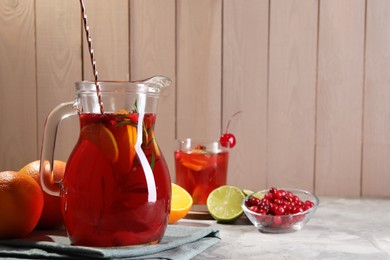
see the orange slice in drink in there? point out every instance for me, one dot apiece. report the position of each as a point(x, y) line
point(181, 203)
point(156, 148)
point(122, 112)
point(201, 192)
point(193, 166)
point(102, 137)
point(196, 161)
point(132, 133)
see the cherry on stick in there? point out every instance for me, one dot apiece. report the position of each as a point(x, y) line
point(227, 139)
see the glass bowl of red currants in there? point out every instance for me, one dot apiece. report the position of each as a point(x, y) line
point(280, 210)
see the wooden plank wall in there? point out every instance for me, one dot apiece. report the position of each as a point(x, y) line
point(310, 77)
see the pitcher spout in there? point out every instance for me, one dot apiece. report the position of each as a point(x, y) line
point(156, 82)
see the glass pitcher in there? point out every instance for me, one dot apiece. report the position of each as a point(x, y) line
point(116, 188)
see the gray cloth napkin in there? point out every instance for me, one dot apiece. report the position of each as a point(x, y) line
point(179, 242)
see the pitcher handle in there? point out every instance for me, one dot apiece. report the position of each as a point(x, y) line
point(62, 111)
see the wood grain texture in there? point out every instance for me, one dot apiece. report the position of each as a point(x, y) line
point(109, 25)
point(292, 93)
point(340, 100)
point(245, 50)
point(18, 131)
point(376, 153)
point(198, 68)
point(59, 66)
point(152, 52)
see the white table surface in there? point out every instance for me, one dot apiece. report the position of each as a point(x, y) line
point(339, 229)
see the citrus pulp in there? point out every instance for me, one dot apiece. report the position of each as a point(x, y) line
point(224, 203)
point(181, 203)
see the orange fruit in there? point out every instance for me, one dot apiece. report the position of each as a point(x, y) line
point(181, 203)
point(51, 217)
point(21, 203)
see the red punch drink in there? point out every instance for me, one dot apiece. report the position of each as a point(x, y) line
point(116, 190)
point(109, 192)
point(200, 168)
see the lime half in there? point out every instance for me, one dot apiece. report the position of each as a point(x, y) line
point(224, 203)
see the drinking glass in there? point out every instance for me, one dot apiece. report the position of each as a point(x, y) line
point(201, 167)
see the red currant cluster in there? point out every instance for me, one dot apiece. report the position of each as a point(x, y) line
point(278, 202)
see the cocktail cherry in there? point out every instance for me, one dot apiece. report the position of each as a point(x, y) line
point(227, 139)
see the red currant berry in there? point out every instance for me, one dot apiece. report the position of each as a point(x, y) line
point(265, 202)
point(134, 117)
point(263, 211)
point(297, 210)
point(295, 199)
point(254, 208)
point(273, 208)
point(254, 201)
point(278, 201)
point(269, 196)
point(272, 190)
point(308, 204)
point(279, 211)
point(289, 209)
point(279, 194)
point(288, 196)
point(277, 221)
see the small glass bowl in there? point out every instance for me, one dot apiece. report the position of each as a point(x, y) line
point(283, 223)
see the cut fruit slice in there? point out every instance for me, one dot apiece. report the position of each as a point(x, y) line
point(258, 195)
point(224, 203)
point(193, 166)
point(247, 192)
point(132, 132)
point(201, 193)
point(102, 137)
point(155, 146)
point(196, 162)
point(181, 203)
